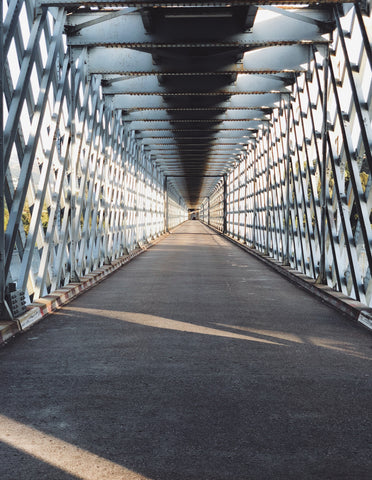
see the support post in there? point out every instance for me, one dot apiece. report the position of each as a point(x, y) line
point(245, 197)
point(254, 194)
point(224, 227)
point(267, 188)
point(5, 313)
point(166, 213)
point(106, 157)
point(125, 194)
point(322, 278)
point(209, 211)
point(287, 182)
point(137, 212)
point(235, 223)
point(74, 278)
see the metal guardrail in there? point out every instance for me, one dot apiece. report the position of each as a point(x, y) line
point(302, 191)
point(79, 191)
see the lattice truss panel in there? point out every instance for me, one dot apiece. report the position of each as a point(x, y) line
point(79, 191)
point(302, 191)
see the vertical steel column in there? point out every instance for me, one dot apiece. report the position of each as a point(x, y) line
point(287, 182)
point(224, 224)
point(209, 211)
point(4, 310)
point(125, 164)
point(2, 170)
point(267, 188)
point(235, 227)
point(107, 190)
point(322, 278)
point(136, 157)
point(245, 196)
point(73, 158)
point(146, 200)
point(254, 194)
point(166, 213)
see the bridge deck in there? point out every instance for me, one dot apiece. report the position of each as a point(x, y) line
point(193, 362)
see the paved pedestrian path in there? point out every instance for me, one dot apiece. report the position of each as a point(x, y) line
point(193, 362)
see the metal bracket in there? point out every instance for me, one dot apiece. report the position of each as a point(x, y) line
point(365, 6)
point(74, 277)
point(74, 29)
point(5, 312)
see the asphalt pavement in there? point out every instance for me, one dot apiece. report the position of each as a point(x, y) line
point(193, 362)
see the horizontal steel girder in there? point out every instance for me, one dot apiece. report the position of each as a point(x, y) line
point(126, 102)
point(168, 3)
point(230, 125)
point(185, 155)
point(244, 84)
point(171, 149)
point(164, 115)
point(126, 61)
point(190, 142)
point(177, 164)
point(237, 134)
point(128, 30)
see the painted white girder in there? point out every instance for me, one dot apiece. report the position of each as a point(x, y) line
point(167, 115)
point(169, 3)
point(127, 102)
point(128, 30)
point(126, 61)
point(245, 84)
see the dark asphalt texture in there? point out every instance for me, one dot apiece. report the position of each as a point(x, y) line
point(193, 362)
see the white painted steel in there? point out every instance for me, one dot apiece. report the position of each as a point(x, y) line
point(79, 189)
point(296, 148)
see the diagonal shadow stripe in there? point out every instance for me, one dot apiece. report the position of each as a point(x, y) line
point(168, 324)
point(58, 453)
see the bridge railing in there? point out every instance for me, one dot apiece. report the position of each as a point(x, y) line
point(302, 191)
point(79, 189)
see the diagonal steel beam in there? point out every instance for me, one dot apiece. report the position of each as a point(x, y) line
point(20, 91)
point(74, 29)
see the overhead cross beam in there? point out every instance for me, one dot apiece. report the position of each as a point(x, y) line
point(253, 101)
point(129, 31)
point(244, 84)
point(126, 61)
point(197, 76)
point(174, 3)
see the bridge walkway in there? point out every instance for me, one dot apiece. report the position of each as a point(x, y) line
point(193, 362)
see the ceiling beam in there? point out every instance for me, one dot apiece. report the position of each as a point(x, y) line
point(125, 102)
point(227, 115)
point(126, 61)
point(129, 31)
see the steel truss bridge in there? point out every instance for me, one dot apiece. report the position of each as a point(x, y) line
point(119, 116)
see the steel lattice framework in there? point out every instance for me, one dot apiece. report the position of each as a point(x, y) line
point(119, 116)
point(301, 193)
point(79, 190)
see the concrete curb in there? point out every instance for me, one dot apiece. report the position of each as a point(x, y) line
point(50, 303)
point(355, 310)
point(8, 330)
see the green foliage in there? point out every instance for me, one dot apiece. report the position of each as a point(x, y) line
point(26, 217)
point(6, 217)
point(364, 180)
point(45, 218)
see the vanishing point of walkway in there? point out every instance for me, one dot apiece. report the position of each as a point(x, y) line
point(193, 362)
